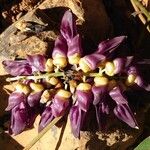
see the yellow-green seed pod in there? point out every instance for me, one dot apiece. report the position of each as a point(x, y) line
point(60, 62)
point(110, 68)
point(74, 59)
point(37, 87)
point(84, 87)
point(46, 96)
point(53, 81)
point(23, 88)
point(84, 66)
point(49, 65)
point(101, 81)
point(63, 93)
point(130, 79)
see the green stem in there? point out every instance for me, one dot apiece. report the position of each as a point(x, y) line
point(36, 77)
point(93, 74)
point(142, 8)
point(40, 135)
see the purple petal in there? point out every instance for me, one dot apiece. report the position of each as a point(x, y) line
point(32, 114)
point(60, 47)
point(110, 44)
point(139, 81)
point(15, 99)
point(46, 118)
point(117, 95)
point(34, 99)
point(18, 119)
point(94, 59)
point(102, 109)
point(119, 65)
point(74, 47)
point(37, 62)
point(84, 98)
point(132, 70)
point(17, 68)
point(75, 120)
point(68, 26)
point(59, 106)
point(99, 93)
point(124, 113)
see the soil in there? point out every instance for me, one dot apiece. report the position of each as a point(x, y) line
point(116, 19)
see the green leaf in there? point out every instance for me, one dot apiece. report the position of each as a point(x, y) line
point(144, 145)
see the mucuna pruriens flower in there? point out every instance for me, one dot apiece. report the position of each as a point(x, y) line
point(74, 50)
point(71, 83)
point(68, 27)
point(110, 45)
point(122, 109)
point(19, 116)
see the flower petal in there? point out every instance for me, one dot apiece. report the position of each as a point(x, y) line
point(59, 106)
point(117, 95)
point(119, 65)
point(37, 62)
point(46, 118)
point(74, 47)
point(110, 44)
point(68, 26)
point(75, 120)
point(60, 47)
point(18, 119)
point(84, 98)
point(15, 99)
point(94, 59)
point(34, 99)
point(99, 93)
point(102, 109)
point(124, 113)
point(17, 68)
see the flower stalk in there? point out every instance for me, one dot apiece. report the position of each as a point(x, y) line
point(36, 77)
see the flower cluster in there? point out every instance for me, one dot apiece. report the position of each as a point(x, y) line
point(71, 82)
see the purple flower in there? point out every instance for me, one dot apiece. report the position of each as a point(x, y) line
point(25, 67)
point(17, 68)
point(91, 62)
point(99, 93)
point(122, 110)
point(74, 50)
point(68, 26)
point(59, 106)
point(77, 117)
point(15, 99)
point(102, 109)
point(60, 48)
point(37, 62)
point(46, 118)
point(124, 113)
point(109, 45)
point(18, 118)
point(119, 64)
point(134, 77)
point(34, 98)
point(84, 96)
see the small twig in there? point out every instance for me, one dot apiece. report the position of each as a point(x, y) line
point(140, 8)
point(42, 76)
point(40, 135)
